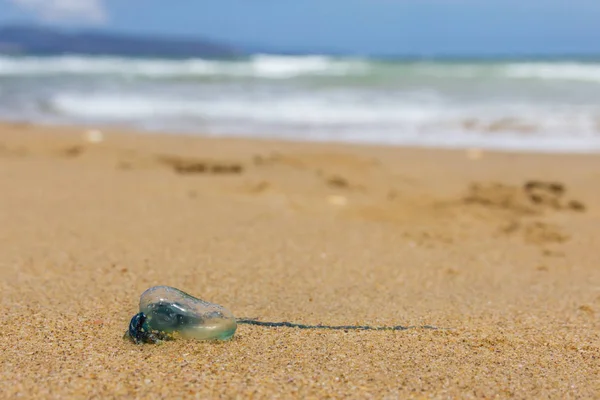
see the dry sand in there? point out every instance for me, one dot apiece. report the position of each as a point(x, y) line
point(501, 248)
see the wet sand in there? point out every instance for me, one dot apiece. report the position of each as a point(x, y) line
point(500, 248)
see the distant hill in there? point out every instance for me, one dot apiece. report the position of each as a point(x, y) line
point(33, 40)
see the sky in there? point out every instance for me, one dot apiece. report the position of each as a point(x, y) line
point(387, 27)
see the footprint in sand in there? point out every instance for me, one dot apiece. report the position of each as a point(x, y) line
point(533, 198)
point(188, 166)
point(551, 194)
point(72, 151)
point(338, 182)
point(543, 233)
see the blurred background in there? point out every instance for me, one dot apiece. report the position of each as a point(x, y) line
point(520, 75)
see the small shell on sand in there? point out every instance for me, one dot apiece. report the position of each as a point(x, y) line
point(337, 200)
point(93, 136)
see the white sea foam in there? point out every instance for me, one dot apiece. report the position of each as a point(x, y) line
point(260, 66)
point(286, 67)
point(554, 71)
point(304, 109)
point(320, 118)
point(516, 105)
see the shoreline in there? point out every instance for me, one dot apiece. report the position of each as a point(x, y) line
point(126, 130)
point(500, 247)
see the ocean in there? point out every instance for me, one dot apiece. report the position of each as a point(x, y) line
point(516, 105)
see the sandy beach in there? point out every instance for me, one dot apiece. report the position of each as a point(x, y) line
point(500, 248)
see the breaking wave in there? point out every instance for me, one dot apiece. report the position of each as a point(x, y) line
point(289, 67)
point(262, 66)
point(518, 105)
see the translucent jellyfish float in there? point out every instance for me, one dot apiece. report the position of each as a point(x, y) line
point(167, 313)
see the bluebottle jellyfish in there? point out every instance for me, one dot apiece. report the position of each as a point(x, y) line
point(167, 313)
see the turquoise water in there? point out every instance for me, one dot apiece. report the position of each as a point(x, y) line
point(527, 105)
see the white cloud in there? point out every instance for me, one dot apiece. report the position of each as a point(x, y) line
point(89, 11)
